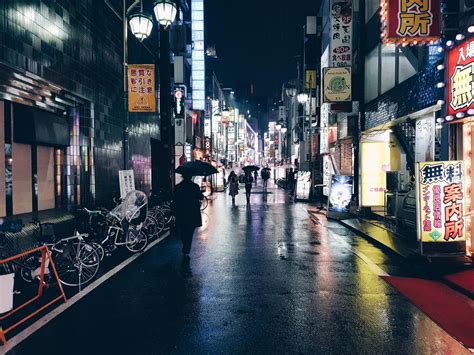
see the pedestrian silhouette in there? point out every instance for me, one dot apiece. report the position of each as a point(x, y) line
point(187, 210)
point(248, 180)
point(233, 182)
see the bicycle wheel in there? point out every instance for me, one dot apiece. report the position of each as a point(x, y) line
point(76, 262)
point(153, 226)
point(99, 249)
point(136, 240)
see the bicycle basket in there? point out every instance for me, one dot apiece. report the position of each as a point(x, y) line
point(135, 207)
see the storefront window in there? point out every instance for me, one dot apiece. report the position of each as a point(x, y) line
point(372, 74)
point(388, 67)
point(405, 68)
point(371, 7)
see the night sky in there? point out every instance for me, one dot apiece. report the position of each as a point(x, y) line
point(257, 40)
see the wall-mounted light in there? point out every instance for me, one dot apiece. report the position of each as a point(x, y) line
point(470, 29)
point(449, 118)
point(460, 114)
point(441, 102)
point(449, 43)
point(460, 37)
point(440, 67)
point(440, 85)
point(440, 120)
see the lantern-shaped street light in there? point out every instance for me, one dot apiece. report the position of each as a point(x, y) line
point(302, 97)
point(278, 126)
point(141, 25)
point(165, 12)
point(284, 130)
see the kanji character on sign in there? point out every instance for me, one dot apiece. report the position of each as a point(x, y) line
point(432, 173)
point(453, 173)
point(423, 5)
point(414, 24)
point(453, 229)
point(141, 72)
point(453, 193)
point(454, 210)
point(461, 87)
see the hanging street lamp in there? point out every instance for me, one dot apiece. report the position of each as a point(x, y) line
point(165, 12)
point(302, 97)
point(141, 25)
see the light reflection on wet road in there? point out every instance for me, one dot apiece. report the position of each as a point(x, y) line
point(262, 279)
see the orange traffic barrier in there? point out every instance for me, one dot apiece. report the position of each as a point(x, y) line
point(45, 255)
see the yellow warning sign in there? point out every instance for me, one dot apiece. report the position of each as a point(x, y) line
point(141, 88)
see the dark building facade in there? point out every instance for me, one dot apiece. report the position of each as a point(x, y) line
point(62, 60)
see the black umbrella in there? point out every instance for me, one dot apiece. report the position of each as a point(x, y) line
point(251, 168)
point(196, 168)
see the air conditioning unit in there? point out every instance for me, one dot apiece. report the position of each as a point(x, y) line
point(391, 205)
point(397, 181)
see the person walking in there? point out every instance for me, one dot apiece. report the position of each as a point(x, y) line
point(187, 210)
point(255, 176)
point(233, 183)
point(248, 180)
point(291, 181)
point(265, 176)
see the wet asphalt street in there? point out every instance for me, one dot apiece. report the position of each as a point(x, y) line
point(262, 279)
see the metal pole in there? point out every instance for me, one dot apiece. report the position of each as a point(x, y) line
point(125, 86)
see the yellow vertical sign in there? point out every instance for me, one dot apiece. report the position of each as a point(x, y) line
point(310, 79)
point(141, 88)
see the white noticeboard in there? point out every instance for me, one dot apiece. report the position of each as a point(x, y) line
point(127, 182)
point(303, 185)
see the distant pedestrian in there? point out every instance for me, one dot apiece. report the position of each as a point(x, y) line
point(265, 176)
point(187, 210)
point(255, 176)
point(291, 181)
point(233, 183)
point(248, 180)
point(223, 177)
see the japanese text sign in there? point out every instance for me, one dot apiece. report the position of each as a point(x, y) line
point(179, 97)
point(440, 208)
point(410, 21)
point(127, 182)
point(337, 85)
point(461, 78)
point(341, 33)
point(141, 88)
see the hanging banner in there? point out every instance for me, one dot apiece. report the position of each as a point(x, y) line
point(340, 196)
point(341, 33)
point(410, 21)
point(310, 81)
point(303, 185)
point(127, 182)
point(461, 78)
point(337, 85)
point(141, 88)
point(179, 97)
point(440, 202)
point(425, 139)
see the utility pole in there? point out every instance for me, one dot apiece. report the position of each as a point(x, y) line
point(166, 173)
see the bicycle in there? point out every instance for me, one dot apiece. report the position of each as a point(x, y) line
point(76, 261)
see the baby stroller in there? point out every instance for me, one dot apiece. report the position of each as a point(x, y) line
point(126, 220)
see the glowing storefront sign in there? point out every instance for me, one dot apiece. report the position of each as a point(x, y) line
point(440, 197)
point(340, 196)
point(410, 21)
point(461, 78)
point(375, 163)
point(198, 55)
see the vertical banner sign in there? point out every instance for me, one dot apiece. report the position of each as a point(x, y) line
point(440, 195)
point(410, 21)
point(207, 119)
point(141, 88)
point(341, 33)
point(425, 139)
point(461, 78)
point(303, 185)
point(127, 182)
point(198, 55)
point(179, 98)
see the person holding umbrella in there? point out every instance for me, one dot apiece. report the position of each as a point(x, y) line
point(187, 202)
point(248, 180)
point(233, 183)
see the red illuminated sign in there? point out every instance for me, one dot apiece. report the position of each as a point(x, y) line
point(461, 78)
point(410, 22)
